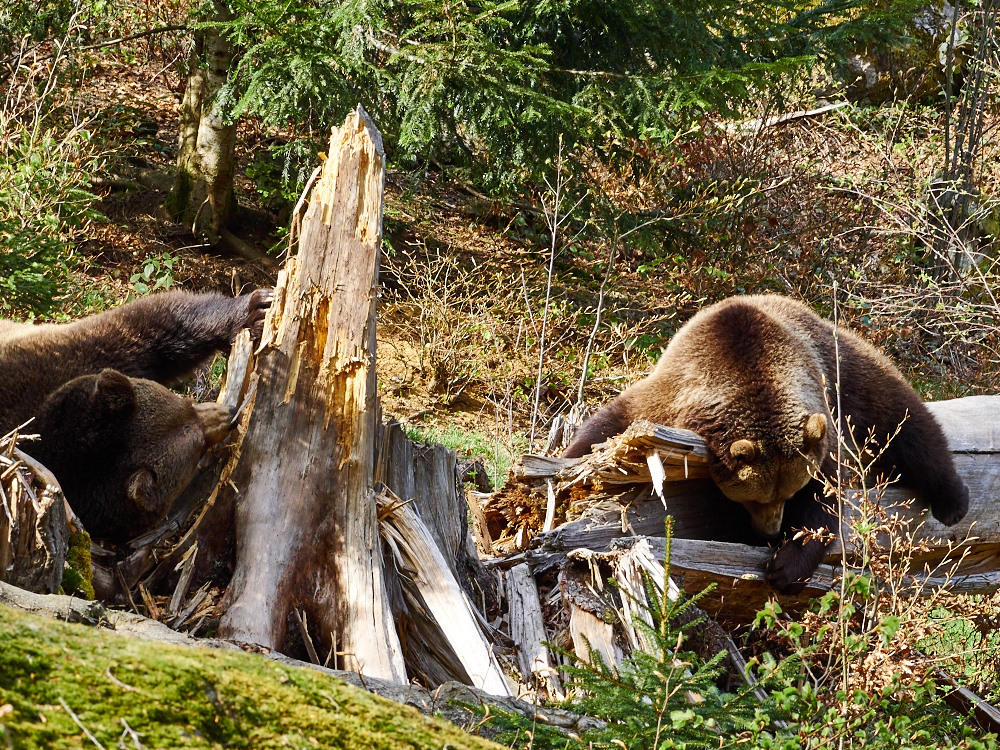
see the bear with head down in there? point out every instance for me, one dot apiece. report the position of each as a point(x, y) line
point(756, 377)
point(121, 444)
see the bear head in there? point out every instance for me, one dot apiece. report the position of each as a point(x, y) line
point(762, 475)
point(124, 448)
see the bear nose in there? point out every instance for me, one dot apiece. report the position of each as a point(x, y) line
point(215, 421)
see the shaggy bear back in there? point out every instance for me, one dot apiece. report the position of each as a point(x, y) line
point(120, 443)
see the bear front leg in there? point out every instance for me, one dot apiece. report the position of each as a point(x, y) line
point(163, 337)
point(792, 565)
point(920, 456)
point(610, 420)
point(949, 498)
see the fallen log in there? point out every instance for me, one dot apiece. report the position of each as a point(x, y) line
point(527, 630)
point(627, 488)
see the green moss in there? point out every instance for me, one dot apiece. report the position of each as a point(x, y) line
point(79, 574)
point(181, 697)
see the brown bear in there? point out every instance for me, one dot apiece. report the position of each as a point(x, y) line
point(121, 444)
point(756, 377)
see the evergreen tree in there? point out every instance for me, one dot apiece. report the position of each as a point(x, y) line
point(493, 84)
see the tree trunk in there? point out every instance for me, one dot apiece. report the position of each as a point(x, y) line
point(306, 529)
point(202, 195)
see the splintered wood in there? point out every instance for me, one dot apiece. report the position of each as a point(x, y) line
point(547, 493)
point(626, 459)
point(416, 553)
point(33, 530)
point(307, 537)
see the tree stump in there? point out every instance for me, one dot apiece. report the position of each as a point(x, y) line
point(33, 530)
point(307, 537)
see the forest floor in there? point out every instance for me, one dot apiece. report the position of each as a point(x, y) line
point(464, 282)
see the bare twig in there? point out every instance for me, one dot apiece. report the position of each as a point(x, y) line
point(76, 720)
point(554, 220)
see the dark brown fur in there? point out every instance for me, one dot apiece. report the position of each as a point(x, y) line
point(121, 444)
point(750, 371)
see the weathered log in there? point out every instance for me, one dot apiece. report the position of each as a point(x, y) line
point(527, 630)
point(427, 475)
point(592, 504)
point(305, 521)
point(416, 552)
point(591, 616)
point(427, 478)
point(596, 509)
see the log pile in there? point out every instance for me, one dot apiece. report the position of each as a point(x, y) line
point(34, 530)
point(619, 496)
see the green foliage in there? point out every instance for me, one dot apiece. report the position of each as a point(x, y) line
point(666, 697)
point(662, 696)
point(493, 85)
point(30, 21)
point(44, 207)
point(156, 274)
point(497, 456)
point(904, 710)
point(279, 171)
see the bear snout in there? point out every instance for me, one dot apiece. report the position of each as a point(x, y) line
point(216, 421)
point(766, 518)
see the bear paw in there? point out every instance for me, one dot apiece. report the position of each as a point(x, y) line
point(789, 568)
point(951, 503)
point(258, 304)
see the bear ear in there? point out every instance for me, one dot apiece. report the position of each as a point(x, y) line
point(743, 450)
point(142, 489)
point(113, 394)
point(814, 430)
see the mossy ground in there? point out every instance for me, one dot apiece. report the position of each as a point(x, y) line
point(175, 697)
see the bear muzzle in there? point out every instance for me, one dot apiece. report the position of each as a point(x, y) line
point(766, 518)
point(216, 421)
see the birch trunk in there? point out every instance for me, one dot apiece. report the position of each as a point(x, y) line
point(202, 195)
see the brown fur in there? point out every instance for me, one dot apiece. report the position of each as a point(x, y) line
point(122, 445)
point(753, 376)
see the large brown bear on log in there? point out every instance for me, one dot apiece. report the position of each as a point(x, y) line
point(121, 444)
point(756, 377)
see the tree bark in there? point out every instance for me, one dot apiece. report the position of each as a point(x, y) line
point(202, 195)
point(306, 530)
